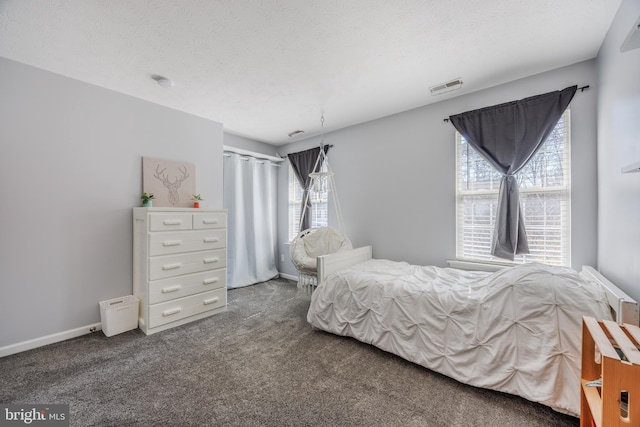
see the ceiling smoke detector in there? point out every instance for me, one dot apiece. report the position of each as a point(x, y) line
point(446, 87)
point(162, 81)
point(295, 133)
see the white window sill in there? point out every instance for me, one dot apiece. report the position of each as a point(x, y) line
point(479, 266)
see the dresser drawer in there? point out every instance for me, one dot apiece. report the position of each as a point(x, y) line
point(177, 309)
point(182, 286)
point(209, 220)
point(179, 265)
point(186, 241)
point(170, 221)
point(162, 267)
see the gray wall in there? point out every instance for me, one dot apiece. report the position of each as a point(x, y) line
point(70, 173)
point(396, 175)
point(619, 146)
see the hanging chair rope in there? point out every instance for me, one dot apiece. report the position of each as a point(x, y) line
point(315, 176)
point(313, 242)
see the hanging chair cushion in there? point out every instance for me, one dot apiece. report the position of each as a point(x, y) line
point(311, 243)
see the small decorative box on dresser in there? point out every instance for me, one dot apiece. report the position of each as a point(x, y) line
point(179, 260)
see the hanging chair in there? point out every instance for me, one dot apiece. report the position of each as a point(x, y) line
point(310, 244)
point(314, 242)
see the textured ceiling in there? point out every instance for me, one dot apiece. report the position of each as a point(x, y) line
point(265, 68)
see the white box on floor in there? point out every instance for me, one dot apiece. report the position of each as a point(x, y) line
point(119, 315)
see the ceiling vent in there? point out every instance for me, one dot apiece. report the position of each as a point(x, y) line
point(446, 87)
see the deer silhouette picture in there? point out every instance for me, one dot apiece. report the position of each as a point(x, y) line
point(174, 185)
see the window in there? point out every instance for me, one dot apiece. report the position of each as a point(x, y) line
point(544, 199)
point(319, 205)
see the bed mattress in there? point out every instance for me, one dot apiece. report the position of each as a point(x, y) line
point(517, 330)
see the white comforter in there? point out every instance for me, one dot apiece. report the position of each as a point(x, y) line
point(516, 331)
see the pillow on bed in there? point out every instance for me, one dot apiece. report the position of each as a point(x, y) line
point(536, 274)
point(524, 273)
point(553, 284)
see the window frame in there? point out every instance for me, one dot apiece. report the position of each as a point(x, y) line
point(561, 192)
point(319, 205)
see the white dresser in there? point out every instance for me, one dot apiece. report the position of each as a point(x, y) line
point(179, 265)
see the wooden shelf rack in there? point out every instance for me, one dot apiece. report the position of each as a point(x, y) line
point(610, 352)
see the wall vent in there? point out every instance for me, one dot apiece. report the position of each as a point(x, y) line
point(446, 87)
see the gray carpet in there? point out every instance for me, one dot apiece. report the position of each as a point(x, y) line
point(258, 364)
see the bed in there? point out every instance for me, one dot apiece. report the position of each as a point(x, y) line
point(517, 330)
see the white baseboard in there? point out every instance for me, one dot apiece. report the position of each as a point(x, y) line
point(49, 339)
point(289, 276)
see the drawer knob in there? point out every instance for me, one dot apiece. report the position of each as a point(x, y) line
point(211, 260)
point(171, 289)
point(211, 300)
point(172, 311)
point(209, 281)
point(172, 222)
point(209, 221)
point(171, 266)
point(211, 239)
point(172, 243)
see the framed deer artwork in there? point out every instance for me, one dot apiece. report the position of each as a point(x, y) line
point(172, 183)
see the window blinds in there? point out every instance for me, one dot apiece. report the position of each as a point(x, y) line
point(544, 198)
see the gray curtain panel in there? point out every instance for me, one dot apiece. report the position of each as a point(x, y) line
point(302, 163)
point(507, 136)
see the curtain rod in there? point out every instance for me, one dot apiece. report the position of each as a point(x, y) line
point(247, 158)
point(255, 154)
point(294, 152)
point(581, 89)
